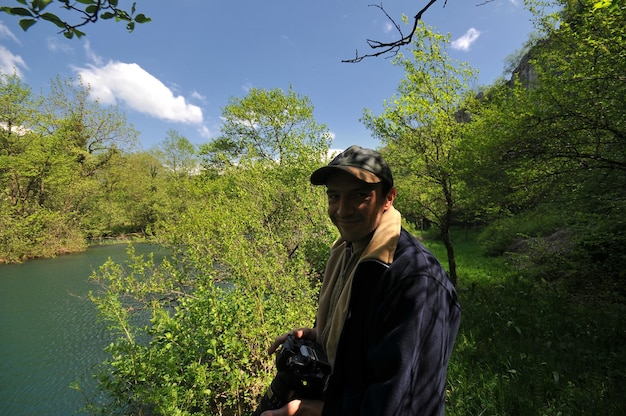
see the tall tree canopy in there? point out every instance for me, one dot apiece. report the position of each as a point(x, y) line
point(269, 125)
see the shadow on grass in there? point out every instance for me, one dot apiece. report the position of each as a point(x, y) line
point(525, 349)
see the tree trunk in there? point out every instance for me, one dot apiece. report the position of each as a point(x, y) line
point(447, 241)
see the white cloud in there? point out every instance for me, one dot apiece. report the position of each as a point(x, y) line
point(93, 57)
point(5, 32)
point(196, 95)
point(333, 152)
point(138, 89)
point(286, 39)
point(204, 131)
point(55, 46)
point(464, 43)
point(10, 63)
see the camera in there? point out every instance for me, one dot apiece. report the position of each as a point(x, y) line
point(302, 372)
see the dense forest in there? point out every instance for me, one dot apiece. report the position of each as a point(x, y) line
point(534, 165)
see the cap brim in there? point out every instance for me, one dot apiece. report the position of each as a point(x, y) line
point(320, 176)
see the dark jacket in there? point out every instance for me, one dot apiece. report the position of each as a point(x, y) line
point(397, 337)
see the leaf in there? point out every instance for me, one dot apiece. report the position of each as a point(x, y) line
point(107, 15)
point(51, 17)
point(142, 18)
point(92, 9)
point(20, 11)
point(122, 15)
point(602, 4)
point(26, 23)
point(86, 1)
point(39, 5)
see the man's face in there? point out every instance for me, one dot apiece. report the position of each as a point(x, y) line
point(354, 206)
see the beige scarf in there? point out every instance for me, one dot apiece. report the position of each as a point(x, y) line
point(336, 287)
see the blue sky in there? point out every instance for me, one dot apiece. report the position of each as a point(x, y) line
point(179, 71)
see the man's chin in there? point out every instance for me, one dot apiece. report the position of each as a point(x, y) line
point(351, 237)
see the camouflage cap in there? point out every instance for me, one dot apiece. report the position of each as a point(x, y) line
point(366, 164)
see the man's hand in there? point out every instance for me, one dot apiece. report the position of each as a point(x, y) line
point(298, 408)
point(307, 333)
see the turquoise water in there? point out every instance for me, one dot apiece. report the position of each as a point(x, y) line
point(49, 332)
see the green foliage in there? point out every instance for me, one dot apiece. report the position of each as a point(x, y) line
point(88, 11)
point(62, 171)
point(552, 243)
point(555, 132)
point(600, 242)
point(553, 137)
point(42, 233)
point(267, 125)
point(500, 235)
point(177, 154)
point(420, 127)
point(231, 287)
point(527, 347)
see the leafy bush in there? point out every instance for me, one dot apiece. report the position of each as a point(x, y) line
point(192, 333)
point(500, 236)
point(43, 233)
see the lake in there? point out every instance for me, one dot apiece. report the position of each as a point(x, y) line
point(49, 333)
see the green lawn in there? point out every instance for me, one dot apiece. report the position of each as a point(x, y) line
point(529, 348)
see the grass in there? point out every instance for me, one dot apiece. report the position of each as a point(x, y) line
point(526, 348)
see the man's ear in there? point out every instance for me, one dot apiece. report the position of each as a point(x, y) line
point(391, 195)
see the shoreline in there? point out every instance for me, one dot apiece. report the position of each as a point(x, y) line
point(88, 242)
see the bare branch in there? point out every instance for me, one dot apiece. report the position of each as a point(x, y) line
point(392, 47)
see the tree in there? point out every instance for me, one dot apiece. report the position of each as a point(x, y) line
point(34, 174)
point(180, 163)
point(420, 129)
point(132, 196)
point(91, 131)
point(268, 125)
point(88, 11)
point(177, 154)
point(560, 135)
point(54, 155)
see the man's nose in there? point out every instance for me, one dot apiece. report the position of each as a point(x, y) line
point(344, 207)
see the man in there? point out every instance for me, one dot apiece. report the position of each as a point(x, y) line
point(388, 314)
